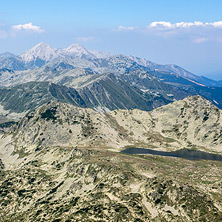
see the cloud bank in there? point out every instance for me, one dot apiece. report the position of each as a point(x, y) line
point(196, 32)
point(169, 25)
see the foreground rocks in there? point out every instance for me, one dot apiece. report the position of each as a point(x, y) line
point(63, 184)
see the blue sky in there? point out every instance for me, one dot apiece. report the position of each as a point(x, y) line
point(186, 33)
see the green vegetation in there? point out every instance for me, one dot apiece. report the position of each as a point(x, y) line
point(21, 152)
point(7, 124)
point(49, 114)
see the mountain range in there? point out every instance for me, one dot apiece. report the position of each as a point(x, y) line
point(42, 53)
point(103, 81)
point(68, 115)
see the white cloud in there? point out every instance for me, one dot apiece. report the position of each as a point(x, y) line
point(197, 32)
point(161, 24)
point(124, 28)
point(217, 24)
point(86, 39)
point(28, 27)
point(169, 25)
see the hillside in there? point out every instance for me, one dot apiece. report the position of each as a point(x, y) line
point(193, 122)
point(100, 92)
point(28, 96)
point(61, 162)
point(110, 92)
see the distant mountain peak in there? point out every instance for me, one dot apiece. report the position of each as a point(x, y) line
point(76, 50)
point(41, 51)
point(7, 55)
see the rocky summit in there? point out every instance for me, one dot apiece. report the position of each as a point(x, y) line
point(61, 162)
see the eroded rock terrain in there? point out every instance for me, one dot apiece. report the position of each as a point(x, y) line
point(62, 163)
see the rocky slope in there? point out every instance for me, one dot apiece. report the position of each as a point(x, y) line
point(64, 184)
point(150, 84)
point(192, 122)
point(100, 92)
point(58, 164)
point(28, 96)
point(109, 92)
point(174, 70)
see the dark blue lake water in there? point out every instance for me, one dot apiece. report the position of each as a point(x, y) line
point(183, 153)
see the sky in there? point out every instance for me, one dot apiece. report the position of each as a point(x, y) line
point(187, 33)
